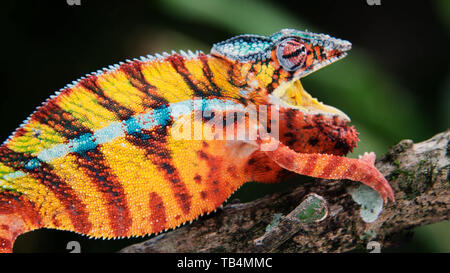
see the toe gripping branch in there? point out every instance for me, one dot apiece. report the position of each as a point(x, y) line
point(329, 166)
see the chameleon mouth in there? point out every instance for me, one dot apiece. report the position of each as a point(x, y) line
point(292, 95)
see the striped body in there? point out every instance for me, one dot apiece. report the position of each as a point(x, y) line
point(100, 158)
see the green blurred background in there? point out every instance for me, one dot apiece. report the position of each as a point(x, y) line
point(395, 83)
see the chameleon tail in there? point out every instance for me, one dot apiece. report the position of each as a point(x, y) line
point(333, 167)
point(17, 216)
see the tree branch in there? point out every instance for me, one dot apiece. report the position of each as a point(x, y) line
point(322, 216)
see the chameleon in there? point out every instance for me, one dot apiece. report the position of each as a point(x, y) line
point(103, 157)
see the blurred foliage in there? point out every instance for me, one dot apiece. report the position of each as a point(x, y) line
point(443, 10)
point(390, 95)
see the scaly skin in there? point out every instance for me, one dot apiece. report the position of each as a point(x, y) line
point(101, 157)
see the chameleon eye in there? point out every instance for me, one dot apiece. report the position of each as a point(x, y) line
point(291, 54)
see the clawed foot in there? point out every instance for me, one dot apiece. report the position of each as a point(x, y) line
point(368, 158)
point(375, 179)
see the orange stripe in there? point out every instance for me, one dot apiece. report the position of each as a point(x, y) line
point(310, 164)
point(350, 171)
point(333, 163)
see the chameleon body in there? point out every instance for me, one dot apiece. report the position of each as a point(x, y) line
point(101, 157)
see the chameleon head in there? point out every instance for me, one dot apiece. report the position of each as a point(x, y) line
point(284, 58)
point(272, 68)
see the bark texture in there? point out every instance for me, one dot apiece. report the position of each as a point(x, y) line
point(322, 216)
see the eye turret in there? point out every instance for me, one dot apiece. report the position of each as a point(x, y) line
point(291, 54)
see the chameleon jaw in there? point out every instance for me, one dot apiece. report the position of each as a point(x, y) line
point(292, 95)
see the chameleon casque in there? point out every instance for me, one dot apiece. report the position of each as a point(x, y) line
point(100, 157)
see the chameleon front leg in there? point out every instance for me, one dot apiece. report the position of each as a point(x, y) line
point(330, 166)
